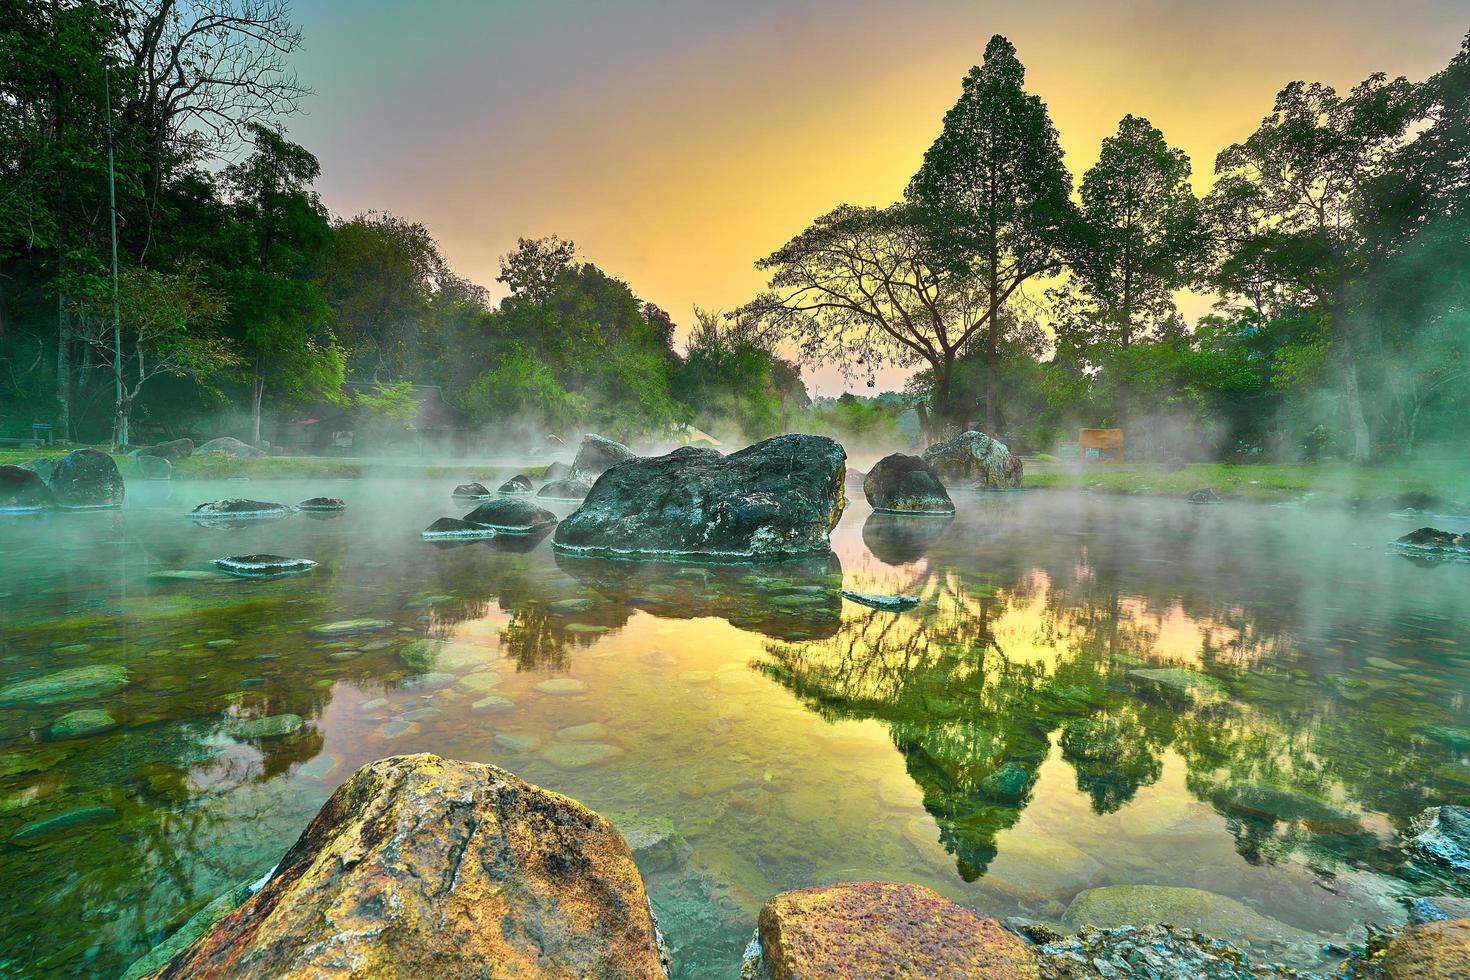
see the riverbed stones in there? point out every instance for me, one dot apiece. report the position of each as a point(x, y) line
point(424, 867)
point(73, 684)
point(580, 755)
point(239, 507)
point(903, 484)
point(1433, 951)
point(775, 499)
point(228, 446)
point(1180, 682)
point(885, 929)
point(561, 685)
point(23, 490)
point(82, 723)
point(258, 566)
point(1441, 834)
point(271, 726)
point(520, 483)
point(507, 515)
point(975, 456)
point(1115, 906)
point(86, 479)
point(349, 627)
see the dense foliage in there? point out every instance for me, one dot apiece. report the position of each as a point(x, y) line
point(1335, 241)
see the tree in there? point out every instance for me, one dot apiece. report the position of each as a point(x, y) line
point(997, 190)
point(281, 315)
point(532, 270)
point(731, 379)
point(863, 287)
point(1289, 198)
point(167, 321)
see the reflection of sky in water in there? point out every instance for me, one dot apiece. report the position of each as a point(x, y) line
point(992, 743)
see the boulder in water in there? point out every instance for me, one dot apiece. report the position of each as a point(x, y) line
point(228, 446)
point(975, 456)
point(776, 499)
point(596, 456)
point(72, 684)
point(238, 507)
point(556, 471)
point(453, 527)
point(1433, 539)
point(1442, 835)
point(906, 485)
point(1433, 951)
point(84, 479)
point(471, 491)
point(566, 488)
point(423, 867)
point(520, 483)
point(884, 929)
point(23, 490)
point(155, 467)
point(172, 451)
point(322, 504)
point(1204, 495)
point(506, 516)
point(255, 566)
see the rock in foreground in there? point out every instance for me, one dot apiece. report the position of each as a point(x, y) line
point(975, 456)
point(86, 479)
point(423, 867)
point(260, 566)
point(1433, 951)
point(23, 489)
point(906, 485)
point(1441, 834)
point(882, 929)
point(520, 483)
point(776, 499)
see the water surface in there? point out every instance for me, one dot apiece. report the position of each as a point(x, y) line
point(997, 743)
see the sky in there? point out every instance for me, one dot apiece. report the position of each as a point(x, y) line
point(678, 141)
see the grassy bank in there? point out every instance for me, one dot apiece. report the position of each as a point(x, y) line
point(308, 467)
point(1419, 484)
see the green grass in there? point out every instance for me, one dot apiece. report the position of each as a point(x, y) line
point(299, 467)
point(1329, 482)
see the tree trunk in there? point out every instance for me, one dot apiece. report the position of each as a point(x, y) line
point(992, 355)
point(257, 391)
point(63, 369)
point(1352, 405)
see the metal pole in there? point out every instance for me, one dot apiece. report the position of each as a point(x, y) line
point(120, 430)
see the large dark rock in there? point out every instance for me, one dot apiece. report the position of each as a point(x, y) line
point(977, 457)
point(421, 867)
point(86, 478)
point(23, 489)
point(906, 485)
point(453, 527)
point(471, 491)
point(228, 446)
point(519, 483)
point(506, 515)
point(596, 456)
point(323, 504)
point(263, 566)
point(1433, 539)
point(776, 499)
point(172, 451)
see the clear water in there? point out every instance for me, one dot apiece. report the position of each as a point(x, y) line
point(992, 743)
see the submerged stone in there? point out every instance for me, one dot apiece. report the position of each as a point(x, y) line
point(590, 732)
point(975, 456)
point(81, 724)
point(656, 844)
point(562, 685)
point(883, 929)
point(33, 834)
point(1180, 681)
point(510, 516)
point(66, 685)
point(197, 925)
point(906, 485)
point(488, 876)
point(580, 755)
point(1008, 784)
point(1114, 906)
point(184, 575)
point(1264, 801)
point(887, 603)
point(347, 627)
point(776, 499)
point(249, 566)
point(271, 726)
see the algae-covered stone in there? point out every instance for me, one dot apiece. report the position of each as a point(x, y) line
point(422, 867)
point(347, 627)
point(507, 515)
point(975, 456)
point(197, 925)
point(656, 843)
point(73, 684)
point(1008, 784)
point(883, 929)
point(906, 485)
point(1180, 682)
point(886, 603)
point(60, 824)
point(1264, 801)
point(580, 755)
point(271, 726)
point(1433, 951)
point(81, 724)
point(1189, 908)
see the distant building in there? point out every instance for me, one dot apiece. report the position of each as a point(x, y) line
point(1100, 445)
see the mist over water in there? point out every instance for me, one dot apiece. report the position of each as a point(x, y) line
point(994, 743)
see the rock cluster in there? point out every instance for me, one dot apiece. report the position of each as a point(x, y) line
point(906, 485)
point(977, 457)
point(775, 499)
point(502, 515)
point(83, 479)
point(595, 456)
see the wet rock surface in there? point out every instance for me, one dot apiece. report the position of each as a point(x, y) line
point(1441, 836)
point(1433, 951)
point(422, 867)
point(1204, 495)
point(261, 565)
point(565, 488)
point(775, 499)
point(906, 485)
point(322, 504)
point(471, 491)
point(886, 603)
point(453, 527)
point(1116, 906)
point(883, 929)
point(1154, 952)
point(85, 478)
point(516, 484)
point(238, 507)
point(596, 455)
point(975, 457)
point(511, 516)
point(23, 489)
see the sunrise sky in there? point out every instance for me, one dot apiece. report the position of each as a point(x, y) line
point(677, 142)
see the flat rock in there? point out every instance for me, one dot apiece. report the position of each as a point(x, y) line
point(228, 446)
point(81, 723)
point(872, 929)
point(453, 527)
point(60, 824)
point(561, 685)
point(250, 566)
point(422, 867)
point(322, 504)
point(903, 484)
point(73, 684)
point(580, 755)
point(347, 627)
point(1284, 804)
point(184, 575)
point(776, 499)
point(1180, 681)
point(887, 603)
point(656, 843)
point(271, 726)
point(238, 508)
point(1187, 908)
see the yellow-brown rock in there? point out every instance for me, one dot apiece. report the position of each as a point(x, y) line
point(1433, 951)
point(882, 929)
point(423, 867)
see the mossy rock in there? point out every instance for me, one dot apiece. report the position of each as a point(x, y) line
point(81, 724)
point(271, 726)
point(1180, 682)
point(66, 685)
